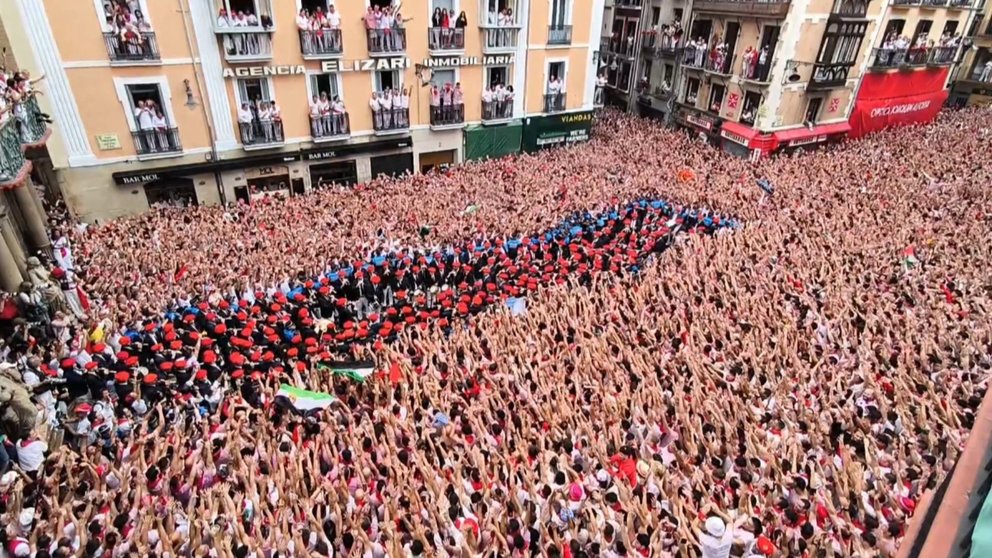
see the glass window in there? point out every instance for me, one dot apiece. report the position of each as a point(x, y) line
point(497, 75)
point(442, 77)
point(324, 83)
point(387, 79)
point(146, 102)
point(251, 90)
point(813, 110)
point(716, 97)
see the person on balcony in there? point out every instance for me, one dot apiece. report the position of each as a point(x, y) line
point(458, 100)
point(276, 114)
point(445, 28)
point(223, 20)
point(305, 25)
point(404, 113)
point(499, 96)
point(749, 61)
point(376, 108)
point(338, 116)
point(600, 92)
point(144, 118)
point(162, 132)
point(505, 22)
point(316, 124)
point(372, 17)
point(986, 75)
point(388, 117)
point(245, 121)
point(333, 22)
point(554, 93)
point(487, 103)
point(265, 121)
point(508, 102)
point(436, 19)
point(435, 103)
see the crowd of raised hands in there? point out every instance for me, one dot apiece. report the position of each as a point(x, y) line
point(702, 367)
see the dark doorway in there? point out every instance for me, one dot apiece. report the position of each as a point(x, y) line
point(344, 173)
point(241, 194)
point(171, 192)
point(732, 32)
point(392, 165)
point(296, 185)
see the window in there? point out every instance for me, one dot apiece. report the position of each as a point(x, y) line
point(325, 84)
point(851, 8)
point(669, 73)
point(497, 75)
point(950, 27)
point(655, 16)
point(752, 103)
point(716, 97)
point(691, 90)
point(841, 42)
point(677, 14)
point(646, 75)
point(894, 28)
point(260, 8)
point(387, 79)
point(556, 71)
point(813, 110)
point(146, 104)
point(623, 76)
point(561, 13)
point(922, 30)
point(441, 77)
point(116, 14)
point(254, 91)
point(498, 6)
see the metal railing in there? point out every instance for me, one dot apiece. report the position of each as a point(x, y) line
point(130, 47)
point(559, 34)
point(628, 3)
point(322, 42)
point(693, 57)
point(497, 110)
point(391, 119)
point(386, 41)
point(11, 155)
point(330, 126)
point(720, 64)
point(155, 141)
point(446, 38)
point(448, 115)
point(621, 46)
point(942, 56)
point(753, 71)
point(247, 46)
point(933, 3)
point(257, 132)
point(24, 124)
point(31, 121)
point(883, 58)
point(496, 38)
point(830, 75)
point(960, 4)
point(554, 102)
point(754, 7)
point(905, 2)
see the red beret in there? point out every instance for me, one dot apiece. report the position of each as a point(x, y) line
point(220, 329)
point(122, 377)
point(150, 378)
point(125, 341)
point(293, 351)
point(68, 363)
point(166, 366)
point(90, 365)
point(132, 361)
point(201, 374)
point(237, 374)
point(176, 345)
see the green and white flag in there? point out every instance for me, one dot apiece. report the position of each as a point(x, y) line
point(358, 370)
point(303, 400)
point(472, 208)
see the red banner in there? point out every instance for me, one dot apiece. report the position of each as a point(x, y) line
point(898, 98)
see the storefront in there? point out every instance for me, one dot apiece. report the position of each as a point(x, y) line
point(706, 127)
point(541, 132)
point(392, 165)
point(970, 94)
point(437, 160)
point(811, 137)
point(745, 141)
point(898, 98)
point(493, 142)
point(171, 191)
point(654, 108)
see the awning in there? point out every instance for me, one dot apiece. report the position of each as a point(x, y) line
point(806, 136)
point(746, 135)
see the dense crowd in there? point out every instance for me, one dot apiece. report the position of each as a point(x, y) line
point(702, 365)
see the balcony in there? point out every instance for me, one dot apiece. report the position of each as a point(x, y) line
point(893, 58)
point(330, 127)
point(627, 4)
point(247, 46)
point(959, 4)
point(20, 129)
point(827, 76)
point(620, 46)
point(554, 102)
point(905, 3)
point(981, 73)
point(754, 72)
point(386, 42)
point(933, 4)
point(391, 121)
point(234, 19)
point(323, 43)
point(744, 8)
point(261, 135)
point(499, 40)
point(131, 49)
point(942, 56)
point(156, 142)
point(720, 65)
point(448, 117)
point(846, 9)
point(497, 112)
point(445, 40)
point(694, 58)
point(654, 44)
point(559, 34)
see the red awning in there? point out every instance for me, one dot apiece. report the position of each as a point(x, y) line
point(806, 136)
point(742, 130)
point(747, 136)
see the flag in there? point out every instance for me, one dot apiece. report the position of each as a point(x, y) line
point(395, 374)
point(470, 209)
point(517, 306)
point(765, 185)
point(180, 273)
point(303, 400)
point(909, 257)
point(358, 370)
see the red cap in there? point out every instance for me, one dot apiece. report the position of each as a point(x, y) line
point(122, 377)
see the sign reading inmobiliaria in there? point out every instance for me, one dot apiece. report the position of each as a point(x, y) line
point(898, 98)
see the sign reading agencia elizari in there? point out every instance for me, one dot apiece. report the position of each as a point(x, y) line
point(367, 65)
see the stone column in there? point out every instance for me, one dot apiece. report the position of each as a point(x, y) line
point(34, 219)
point(10, 276)
point(13, 244)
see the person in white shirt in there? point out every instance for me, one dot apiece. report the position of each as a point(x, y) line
point(265, 119)
point(458, 100)
point(487, 103)
point(144, 118)
point(246, 121)
point(333, 21)
point(275, 114)
point(388, 116)
point(315, 118)
point(716, 539)
point(376, 111)
point(555, 90)
point(508, 102)
point(435, 103)
point(338, 116)
point(404, 100)
point(305, 25)
point(222, 19)
point(161, 131)
point(31, 454)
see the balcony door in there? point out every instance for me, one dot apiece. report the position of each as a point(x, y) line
point(560, 13)
point(730, 35)
point(152, 125)
point(766, 51)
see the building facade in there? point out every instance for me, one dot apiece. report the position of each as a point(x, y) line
point(973, 78)
point(760, 76)
point(211, 101)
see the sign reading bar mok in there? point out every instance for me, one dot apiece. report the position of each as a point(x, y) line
point(541, 132)
point(368, 65)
